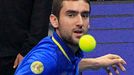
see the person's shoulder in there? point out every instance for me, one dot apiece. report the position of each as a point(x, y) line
point(37, 62)
point(46, 45)
point(46, 41)
point(44, 50)
point(44, 55)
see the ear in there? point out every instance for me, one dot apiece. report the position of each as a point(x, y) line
point(54, 21)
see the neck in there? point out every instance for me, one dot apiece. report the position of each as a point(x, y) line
point(73, 47)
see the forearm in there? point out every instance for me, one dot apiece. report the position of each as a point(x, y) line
point(88, 63)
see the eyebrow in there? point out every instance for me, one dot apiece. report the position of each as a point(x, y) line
point(73, 11)
point(85, 12)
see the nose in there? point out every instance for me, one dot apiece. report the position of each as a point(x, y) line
point(79, 21)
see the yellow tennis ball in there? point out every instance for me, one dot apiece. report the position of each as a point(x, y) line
point(87, 43)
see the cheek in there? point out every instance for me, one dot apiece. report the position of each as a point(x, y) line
point(87, 23)
point(88, 26)
point(66, 24)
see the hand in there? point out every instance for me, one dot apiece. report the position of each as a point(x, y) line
point(113, 61)
point(107, 61)
point(17, 60)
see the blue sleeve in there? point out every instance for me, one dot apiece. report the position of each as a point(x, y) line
point(38, 62)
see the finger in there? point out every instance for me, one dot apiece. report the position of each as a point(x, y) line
point(115, 69)
point(120, 59)
point(15, 62)
point(20, 57)
point(113, 56)
point(117, 57)
point(123, 61)
point(108, 71)
point(116, 61)
point(121, 67)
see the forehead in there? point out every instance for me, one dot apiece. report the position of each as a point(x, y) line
point(79, 5)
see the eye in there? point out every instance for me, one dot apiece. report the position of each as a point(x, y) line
point(85, 15)
point(72, 14)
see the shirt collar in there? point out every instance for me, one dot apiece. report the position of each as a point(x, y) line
point(68, 50)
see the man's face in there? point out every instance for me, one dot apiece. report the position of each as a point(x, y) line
point(73, 21)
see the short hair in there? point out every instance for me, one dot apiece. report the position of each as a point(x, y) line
point(57, 5)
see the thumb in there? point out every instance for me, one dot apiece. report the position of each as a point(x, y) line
point(16, 62)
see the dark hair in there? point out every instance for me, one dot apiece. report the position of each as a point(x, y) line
point(57, 5)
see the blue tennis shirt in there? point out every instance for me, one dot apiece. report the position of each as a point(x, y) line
point(51, 56)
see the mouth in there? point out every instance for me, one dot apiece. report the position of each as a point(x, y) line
point(79, 32)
